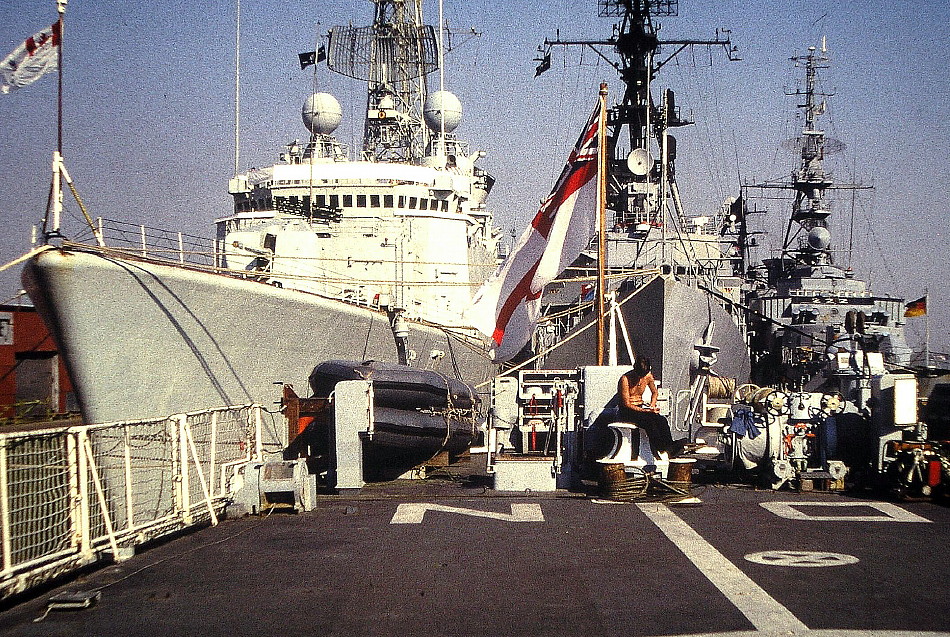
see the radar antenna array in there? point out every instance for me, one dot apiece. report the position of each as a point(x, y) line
point(410, 48)
point(619, 8)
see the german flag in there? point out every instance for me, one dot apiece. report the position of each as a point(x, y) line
point(916, 308)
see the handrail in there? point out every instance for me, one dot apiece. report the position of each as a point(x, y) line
point(71, 495)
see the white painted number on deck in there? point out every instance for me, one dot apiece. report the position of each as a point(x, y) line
point(412, 513)
point(808, 559)
point(889, 512)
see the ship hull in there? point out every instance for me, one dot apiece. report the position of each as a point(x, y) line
point(143, 339)
point(665, 321)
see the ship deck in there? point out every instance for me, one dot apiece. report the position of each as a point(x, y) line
point(446, 556)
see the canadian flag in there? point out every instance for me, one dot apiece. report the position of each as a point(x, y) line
point(37, 55)
point(507, 306)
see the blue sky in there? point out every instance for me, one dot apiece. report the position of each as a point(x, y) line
point(150, 90)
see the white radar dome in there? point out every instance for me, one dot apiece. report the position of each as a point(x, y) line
point(321, 113)
point(819, 238)
point(442, 105)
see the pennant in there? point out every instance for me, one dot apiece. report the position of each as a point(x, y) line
point(312, 57)
point(544, 66)
point(508, 305)
point(38, 54)
point(916, 308)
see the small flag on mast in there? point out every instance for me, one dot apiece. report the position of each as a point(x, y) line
point(38, 54)
point(916, 308)
point(312, 57)
point(545, 64)
point(507, 306)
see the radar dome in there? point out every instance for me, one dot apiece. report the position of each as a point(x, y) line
point(819, 238)
point(321, 113)
point(442, 106)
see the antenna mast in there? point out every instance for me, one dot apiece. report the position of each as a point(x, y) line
point(394, 55)
point(641, 153)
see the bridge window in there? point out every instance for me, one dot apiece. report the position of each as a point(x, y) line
point(360, 201)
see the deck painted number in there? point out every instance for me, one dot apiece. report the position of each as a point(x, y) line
point(809, 559)
point(797, 511)
point(413, 512)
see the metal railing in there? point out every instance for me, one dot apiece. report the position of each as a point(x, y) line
point(70, 496)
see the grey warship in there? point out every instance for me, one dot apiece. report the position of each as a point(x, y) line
point(676, 284)
point(322, 257)
point(804, 307)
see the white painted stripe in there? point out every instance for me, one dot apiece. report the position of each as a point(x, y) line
point(414, 512)
point(797, 511)
point(760, 608)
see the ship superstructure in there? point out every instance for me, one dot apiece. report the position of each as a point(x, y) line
point(805, 308)
point(406, 221)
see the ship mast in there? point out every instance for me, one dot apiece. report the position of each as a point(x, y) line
point(393, 56)
point(641, 152)
point(807, 241)
point(810, 210)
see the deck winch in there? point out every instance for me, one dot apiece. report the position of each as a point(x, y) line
point(263, 487)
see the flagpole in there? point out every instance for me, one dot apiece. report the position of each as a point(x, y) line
point(61, 9)
point(926, 330)
point(56, 199)
point(602, 219)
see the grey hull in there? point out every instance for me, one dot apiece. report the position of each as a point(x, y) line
point(142, 339)
point(665, 321)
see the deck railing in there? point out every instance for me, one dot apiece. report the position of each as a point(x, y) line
point(71, 496)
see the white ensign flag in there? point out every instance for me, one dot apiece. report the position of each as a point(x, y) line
point(507, 306)
point(34, 57)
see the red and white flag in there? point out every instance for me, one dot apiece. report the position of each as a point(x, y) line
point(507, 306)
point(37, 55)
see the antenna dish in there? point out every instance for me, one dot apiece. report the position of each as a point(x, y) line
point(639, 161)
point(819, 238)
point(442, 107)
point(832, 146)
point(321, 114)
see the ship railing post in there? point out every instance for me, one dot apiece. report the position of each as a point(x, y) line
point(82, 493)
point(129, 507)
point(183, 468)
point(216, 489)
point(200, 472)
point(101, 498)
point(144, 248)
point(5, 508)
point(181, 249)
point(173, 436)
